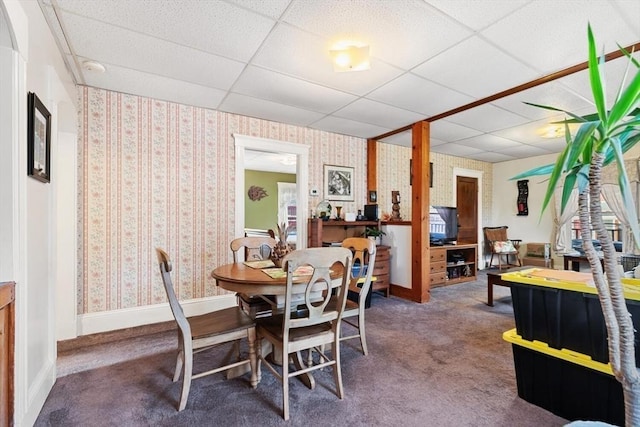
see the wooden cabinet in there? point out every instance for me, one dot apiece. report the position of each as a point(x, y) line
point(453, 264)
point(381, 270)
point(7, 296)
point(333, 232)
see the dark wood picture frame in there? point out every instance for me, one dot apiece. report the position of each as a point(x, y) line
point(38, 139)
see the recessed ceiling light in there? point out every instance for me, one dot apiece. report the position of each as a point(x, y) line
point(93, 66)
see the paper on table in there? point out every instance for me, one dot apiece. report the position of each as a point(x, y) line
point(278, 273)
point(260, 263)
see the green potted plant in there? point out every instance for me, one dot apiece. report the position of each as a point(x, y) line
point(374, 233)
point(602, 139)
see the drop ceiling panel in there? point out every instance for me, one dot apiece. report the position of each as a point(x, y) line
point(455, 149)
point(549, 35)
point(271, 8)
point(487, 118)
point(378, 113)
point(349, 127)
point(400, 32)
point(272, 86)
point(490, 157)
point(143, 84)
point(488, 142)
point(254, 107)
point(476, 68)
point(420, 95)
point(129, 49)
point(551, 94)
point(478, 14)
point(291, 51)
point(234, 32)
point(450, 132)
point(523, 151)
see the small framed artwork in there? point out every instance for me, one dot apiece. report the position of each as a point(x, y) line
point(38, 139)
point(338, 183)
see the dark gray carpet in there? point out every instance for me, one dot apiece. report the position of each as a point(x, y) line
point(443, 363)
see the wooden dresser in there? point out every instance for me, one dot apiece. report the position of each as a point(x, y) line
point(7, 328)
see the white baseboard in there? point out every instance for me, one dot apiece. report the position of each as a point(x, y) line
point(130, 317)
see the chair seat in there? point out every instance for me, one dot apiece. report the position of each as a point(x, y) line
point(273, 326)
point(219, 322)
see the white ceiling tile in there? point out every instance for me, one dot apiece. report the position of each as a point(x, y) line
point(417, 94)
point(551, 94)
point(400, 32)
point(477, 14)
point(448, 131)
point(403, 138)
point(549, 35)
point(270, 8)
point(349, 127)
point(454, 149)
point(272, 86)
point(129, 49)
point(435, 142)
point(476, 68)
point(529, 133)
point(214, 27)
point(137, 83)
point(488, 142)
point(267, 110)
point(523, 151)
point(487, 118)
point(299, 54)
point(377, 113)
point(491, 157)
point(614, 75)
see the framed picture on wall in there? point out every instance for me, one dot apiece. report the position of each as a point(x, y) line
point(338, 183)
point(38, 139)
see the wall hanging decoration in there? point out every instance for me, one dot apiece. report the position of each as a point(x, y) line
point(256, 193)
point(523, 194)
point(395, 208)
point(38, 139)
point(338, 183)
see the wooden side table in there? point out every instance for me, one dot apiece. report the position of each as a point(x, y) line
point(495, 278)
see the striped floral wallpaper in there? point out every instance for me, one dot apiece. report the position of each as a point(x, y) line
point(155, 173)
point(393, 174)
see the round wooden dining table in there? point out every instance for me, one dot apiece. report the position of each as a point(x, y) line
point(239, 277)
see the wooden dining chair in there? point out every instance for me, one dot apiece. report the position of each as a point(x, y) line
point(312, 322)
point(364, 256)
point(255, 248)
point(202, 332)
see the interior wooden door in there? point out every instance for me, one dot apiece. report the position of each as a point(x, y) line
point(467, 203)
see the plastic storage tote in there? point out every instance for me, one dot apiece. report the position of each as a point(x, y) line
point(567, 383)
point(566, 313)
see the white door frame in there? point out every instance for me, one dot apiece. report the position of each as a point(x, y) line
point(244, 142)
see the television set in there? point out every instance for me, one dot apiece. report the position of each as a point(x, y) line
point(443, 225)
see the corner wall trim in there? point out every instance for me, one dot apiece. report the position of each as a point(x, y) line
point(107, 321)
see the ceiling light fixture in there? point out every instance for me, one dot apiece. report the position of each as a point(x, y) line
point(93, 66)
point(350, 58)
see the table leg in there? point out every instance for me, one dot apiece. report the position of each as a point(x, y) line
point(566, 263)
point(491, 280)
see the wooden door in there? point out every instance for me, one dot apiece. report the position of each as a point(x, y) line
point(467, 203)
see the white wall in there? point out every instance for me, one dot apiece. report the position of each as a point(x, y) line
point(35, 66)
point(531, 228)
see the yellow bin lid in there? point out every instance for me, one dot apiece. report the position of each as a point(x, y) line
point(564, 354)
point(568, 280)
